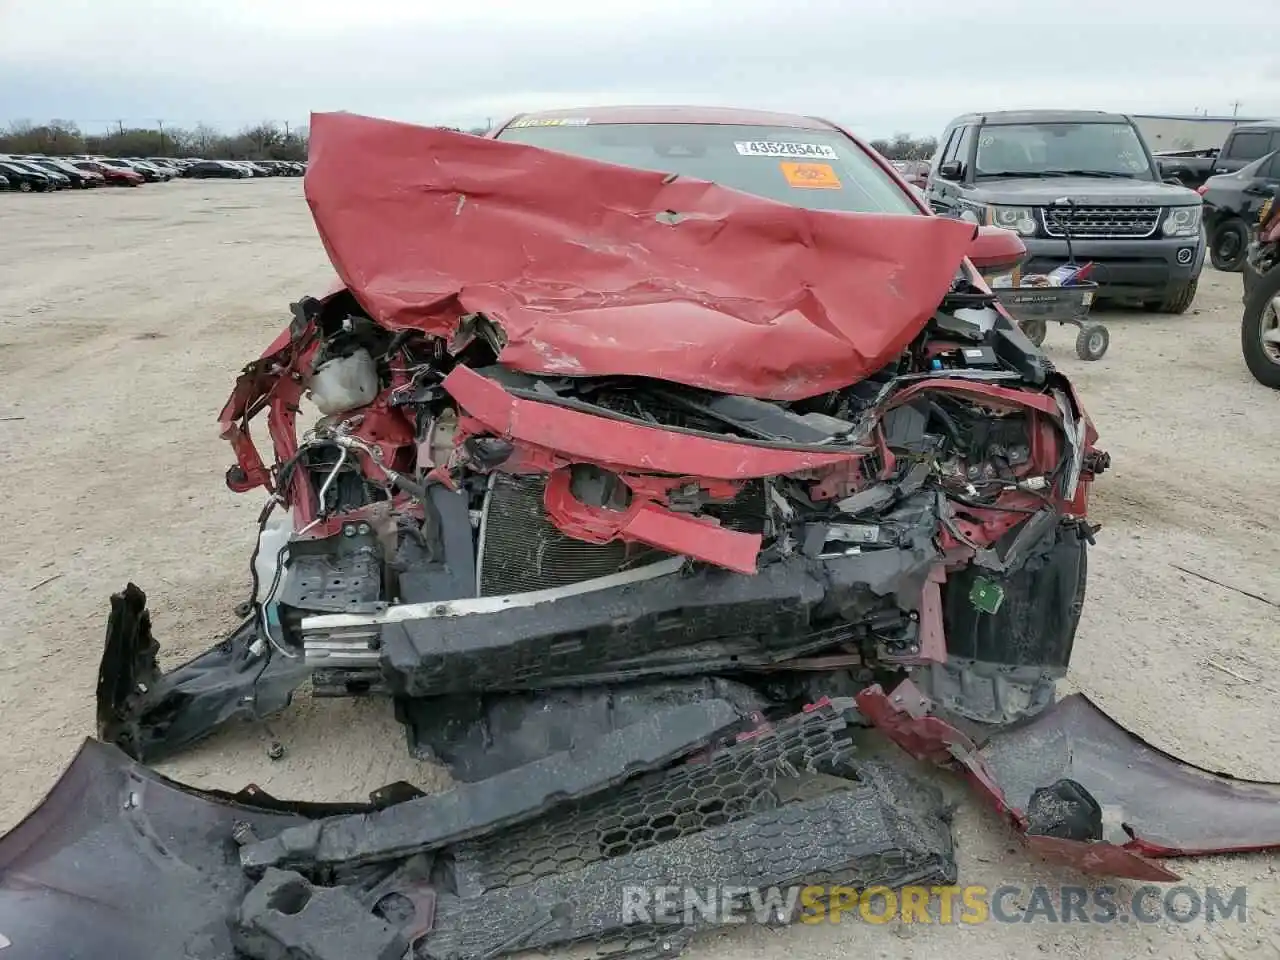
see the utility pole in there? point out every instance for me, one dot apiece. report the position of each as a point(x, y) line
point(120, 127)
point(161, 123)
point(286, 130)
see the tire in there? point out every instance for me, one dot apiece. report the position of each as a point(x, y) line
point(1229, 245)
point(1249, 279)
point(1177, 298)
point(24, 186)
point(1262, 318)
point(1092, 341)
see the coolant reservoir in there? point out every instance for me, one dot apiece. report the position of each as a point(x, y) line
point(344, 383)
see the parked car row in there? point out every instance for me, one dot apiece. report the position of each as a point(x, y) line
point(39, 173)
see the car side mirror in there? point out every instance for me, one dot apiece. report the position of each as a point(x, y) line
point(995, 250)
point(951, 170)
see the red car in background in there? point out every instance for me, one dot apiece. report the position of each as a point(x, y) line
point(114, 176)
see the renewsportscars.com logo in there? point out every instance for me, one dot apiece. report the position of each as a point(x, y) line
point(934, 904)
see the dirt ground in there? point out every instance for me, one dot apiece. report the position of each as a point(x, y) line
point(125, 315)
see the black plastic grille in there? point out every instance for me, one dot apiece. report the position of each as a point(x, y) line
point(1095, 221)
point(785, 808)
point(803, 756)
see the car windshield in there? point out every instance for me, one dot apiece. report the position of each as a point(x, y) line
point(814, 169)
point(1046, 149)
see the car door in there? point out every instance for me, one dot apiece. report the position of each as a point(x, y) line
point(1243, 147)
point(1261, 185)
point(940, 193)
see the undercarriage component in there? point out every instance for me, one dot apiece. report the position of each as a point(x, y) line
point(286, 918)
point(511, 797)
point(481, 736)
point(148, 714)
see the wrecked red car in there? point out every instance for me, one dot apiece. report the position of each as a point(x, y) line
point(642, 456)
point(580, 424)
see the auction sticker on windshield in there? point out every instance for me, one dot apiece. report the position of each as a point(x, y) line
point(550, 122)
point(811, 176)
point(782, 148)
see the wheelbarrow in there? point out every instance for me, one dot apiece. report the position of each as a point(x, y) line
point(1034, 308)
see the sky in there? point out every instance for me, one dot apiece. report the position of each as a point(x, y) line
point(878, 67)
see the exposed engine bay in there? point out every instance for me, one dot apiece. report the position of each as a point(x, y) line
point(451, 528)
point(642, 546)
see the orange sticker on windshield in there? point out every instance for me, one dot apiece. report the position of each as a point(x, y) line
point(812, 176)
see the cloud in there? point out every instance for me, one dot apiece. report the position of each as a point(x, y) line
point(877, 66)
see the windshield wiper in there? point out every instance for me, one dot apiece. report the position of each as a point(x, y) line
point(1037, 174)
point(1108, 174)
point(1013, 173)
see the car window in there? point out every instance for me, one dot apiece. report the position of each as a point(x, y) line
point(814, 169)
point(963, 145)
point(949, 148)
point(1248, 145)
point(1270, 169)
point(1035, 149)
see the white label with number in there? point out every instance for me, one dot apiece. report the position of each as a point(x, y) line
point(785, 149)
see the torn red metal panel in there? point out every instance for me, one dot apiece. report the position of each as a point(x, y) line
point(682, 534)
point(1151, 804)
point(592, 269)
point(648, 522)
point(586, 437)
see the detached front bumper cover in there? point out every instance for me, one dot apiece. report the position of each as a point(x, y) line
point(119, 861)
point(1084, 791)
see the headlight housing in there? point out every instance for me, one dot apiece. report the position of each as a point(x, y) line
point(1020, 220)
point(1182, 221)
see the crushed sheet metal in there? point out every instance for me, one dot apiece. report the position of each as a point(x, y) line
point(1148, 803)
point(576, 435)
point(573, 260)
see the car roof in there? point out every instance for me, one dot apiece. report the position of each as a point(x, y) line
point(1257, 125)
point(680, 114)
point(995, 117)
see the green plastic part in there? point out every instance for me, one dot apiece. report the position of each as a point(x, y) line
point(986, 595)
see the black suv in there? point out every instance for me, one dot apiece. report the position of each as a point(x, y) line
point(1014, 169)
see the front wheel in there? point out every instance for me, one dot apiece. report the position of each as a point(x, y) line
point(24, 187)
point(1260, 330)
point(1229, 245)
point(1177, 298)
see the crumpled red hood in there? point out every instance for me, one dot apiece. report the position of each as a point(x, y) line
point(588, 273)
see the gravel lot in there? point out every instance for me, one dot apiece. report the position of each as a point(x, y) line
point(125, 315)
